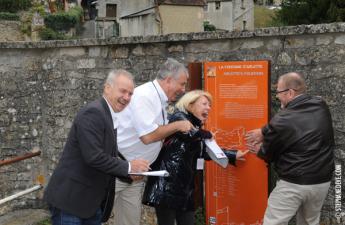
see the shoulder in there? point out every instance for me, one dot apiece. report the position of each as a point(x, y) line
point(178, 115)
point(144, 93)
point(144, 89)
point(92, 109)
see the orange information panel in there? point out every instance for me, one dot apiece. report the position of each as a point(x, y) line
point(240, 90)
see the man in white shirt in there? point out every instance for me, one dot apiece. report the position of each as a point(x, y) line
point(143, 125)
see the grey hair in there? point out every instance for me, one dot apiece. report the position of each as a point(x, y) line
point(171, 68)
point(113, 74)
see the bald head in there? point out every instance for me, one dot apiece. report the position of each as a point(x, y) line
point(294, 81)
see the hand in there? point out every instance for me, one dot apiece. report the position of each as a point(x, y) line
point(184, 126)
point(240, 155)
point(136, 178)
point(214, 133)
point(254, 137)
point(254, 140)
point(253, 148)
point(139, 165)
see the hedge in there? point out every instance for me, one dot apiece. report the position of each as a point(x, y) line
point(14, 6)
point(8, 16)
point(63, 21)
point(49, 34)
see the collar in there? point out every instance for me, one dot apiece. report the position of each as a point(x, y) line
point(194, 120)
point(162, 95)
point(297, 100)
point(113, 114)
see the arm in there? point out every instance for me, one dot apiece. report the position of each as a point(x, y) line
point(166, 130)
point(145, 118)
point(90, 132)
point(271, 144)
point(266, 142)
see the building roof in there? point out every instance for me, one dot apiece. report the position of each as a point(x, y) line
point(182, 2)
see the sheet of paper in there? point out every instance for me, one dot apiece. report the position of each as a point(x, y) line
point(214, 147)
point(158, 173)
point(216, 153)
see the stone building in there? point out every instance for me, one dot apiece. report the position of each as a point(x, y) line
point(152, 17)
point(230, 14)
point(160, 17)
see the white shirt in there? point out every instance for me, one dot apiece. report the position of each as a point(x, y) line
point(144, 114)
point(113, 114)
point(115, 124)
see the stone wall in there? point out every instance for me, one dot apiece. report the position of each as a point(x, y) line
point(10, 31)
point(43, 84)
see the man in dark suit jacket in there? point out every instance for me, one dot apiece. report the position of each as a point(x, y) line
point(81, 189)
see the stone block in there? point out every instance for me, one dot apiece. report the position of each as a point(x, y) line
point(74, 52)
point(340, 40)
point(120, 52)
point(49, 64)
point(138, 51)
point(97, 75)
point(284, 59)
point(302, 60)
point(324, 40)
point(299, 42)
point(86, 63)
point(251, 44)
point(98, 51)
point(155, 50)
point(273, 44)
point(175, 48)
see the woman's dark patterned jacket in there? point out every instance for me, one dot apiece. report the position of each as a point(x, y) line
point(179, 157)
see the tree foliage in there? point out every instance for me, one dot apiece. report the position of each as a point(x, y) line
point(14, 6)
point(294, 12)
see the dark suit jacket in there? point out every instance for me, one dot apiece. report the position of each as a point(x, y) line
point(83, 176)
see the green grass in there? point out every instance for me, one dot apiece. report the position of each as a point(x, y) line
point(44, 222)
point(263, 17)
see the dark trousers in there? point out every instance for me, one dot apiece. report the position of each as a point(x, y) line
point(60, 217)
point(167, 216)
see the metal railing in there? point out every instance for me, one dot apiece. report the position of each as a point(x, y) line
point(31, 154)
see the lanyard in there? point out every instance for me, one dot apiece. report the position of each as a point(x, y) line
point(160, 102)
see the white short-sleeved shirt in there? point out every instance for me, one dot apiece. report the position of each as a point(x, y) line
point(142, 116)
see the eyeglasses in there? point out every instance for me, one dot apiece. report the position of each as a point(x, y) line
point(278, 92)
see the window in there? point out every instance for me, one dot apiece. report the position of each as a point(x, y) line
point(206, 7)
point(244, 25)
point(242, 4)
point(110, 10)
point(217, 5)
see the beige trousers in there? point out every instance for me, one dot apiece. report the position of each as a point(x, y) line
point(288, 199)
point(127, 204)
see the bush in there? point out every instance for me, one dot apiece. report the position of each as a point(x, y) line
point(208, 26)
point(63, 21)
point(14, 5)
point(8, 16)
point(49, 34)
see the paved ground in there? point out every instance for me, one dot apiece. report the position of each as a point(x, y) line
point(24, 217)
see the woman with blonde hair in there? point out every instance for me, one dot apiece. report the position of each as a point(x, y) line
point(173, 196)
